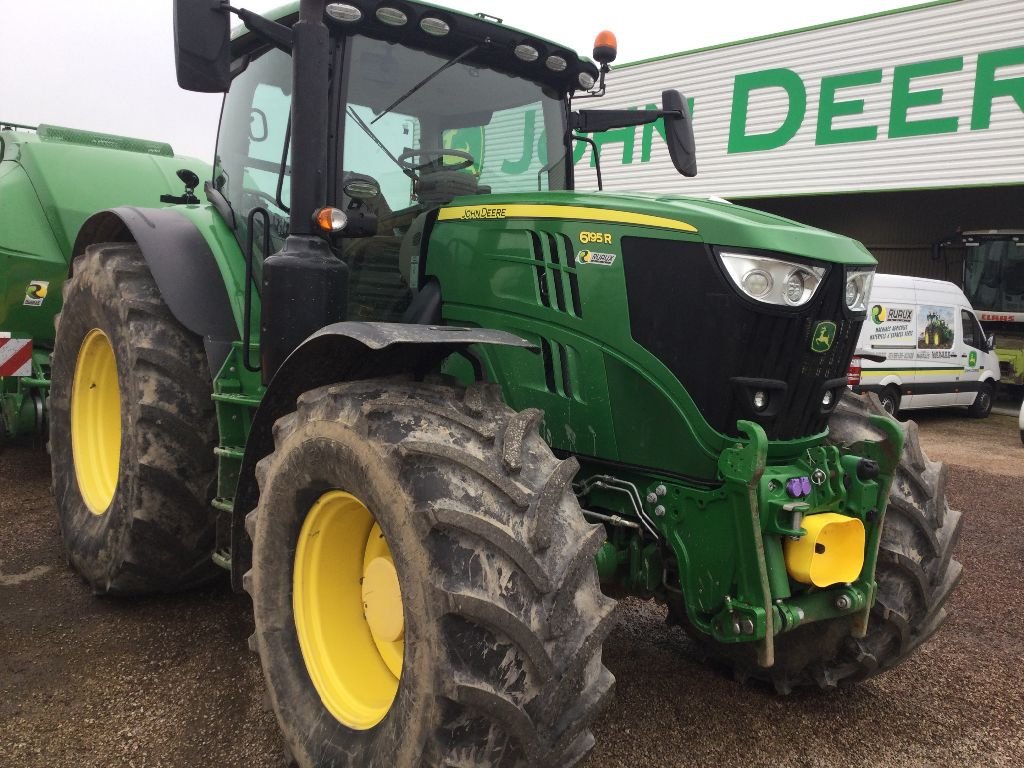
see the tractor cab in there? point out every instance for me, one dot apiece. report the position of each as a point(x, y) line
point(422, 108)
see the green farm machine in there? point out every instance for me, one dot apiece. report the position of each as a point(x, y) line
point(434, 409)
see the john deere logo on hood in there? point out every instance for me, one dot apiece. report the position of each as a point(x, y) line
point(823, 336)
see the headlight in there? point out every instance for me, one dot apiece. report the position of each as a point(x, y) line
point(858, 288)
point(773, 281)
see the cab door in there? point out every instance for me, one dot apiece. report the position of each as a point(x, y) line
point(972, 355)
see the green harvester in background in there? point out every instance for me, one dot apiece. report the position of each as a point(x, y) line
point(434, 409)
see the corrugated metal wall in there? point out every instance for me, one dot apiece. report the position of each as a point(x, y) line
point(901, 228)
point(966, 157)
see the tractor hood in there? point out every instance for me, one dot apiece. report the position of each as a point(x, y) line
point(716, 223)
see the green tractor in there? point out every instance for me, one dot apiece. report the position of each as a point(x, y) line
point(434, 409)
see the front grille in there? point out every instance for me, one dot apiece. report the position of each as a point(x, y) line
point(684, 310)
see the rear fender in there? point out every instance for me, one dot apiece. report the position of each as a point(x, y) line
point(337, 353)
point(182, 264)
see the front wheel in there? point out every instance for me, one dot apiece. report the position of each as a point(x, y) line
point(423, 583)
point(982, 405)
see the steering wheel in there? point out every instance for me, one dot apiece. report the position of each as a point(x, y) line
point(428, 157)
point(260, 195)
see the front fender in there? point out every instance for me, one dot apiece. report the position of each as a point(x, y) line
point(349, 351)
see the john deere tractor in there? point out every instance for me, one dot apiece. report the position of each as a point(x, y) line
point(433, 409)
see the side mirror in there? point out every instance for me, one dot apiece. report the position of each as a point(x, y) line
point(990, 342)
point(679, 133)
point(202, 54)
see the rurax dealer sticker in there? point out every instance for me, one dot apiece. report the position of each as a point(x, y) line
point(35, 293)
point(595, 257)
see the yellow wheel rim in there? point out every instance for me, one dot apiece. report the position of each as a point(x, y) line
point(348, 610)
point(96, 421)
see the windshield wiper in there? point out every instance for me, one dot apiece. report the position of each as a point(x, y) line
point(373, 137)
point(424, 81)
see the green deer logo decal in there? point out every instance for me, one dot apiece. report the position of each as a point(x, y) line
point(823, 336)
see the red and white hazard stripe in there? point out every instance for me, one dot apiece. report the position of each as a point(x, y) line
point(15, 357)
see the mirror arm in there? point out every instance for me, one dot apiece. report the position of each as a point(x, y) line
point(597, 120)
point(276, 34)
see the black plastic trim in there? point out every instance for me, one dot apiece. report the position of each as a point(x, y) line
point(182, 265)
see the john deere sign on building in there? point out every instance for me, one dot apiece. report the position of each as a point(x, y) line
point(928, 97)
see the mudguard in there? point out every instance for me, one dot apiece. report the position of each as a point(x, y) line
point(182, 265)
point(336, 353)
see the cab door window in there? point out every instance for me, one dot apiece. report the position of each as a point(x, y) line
point(973, 335)
point(251, 168)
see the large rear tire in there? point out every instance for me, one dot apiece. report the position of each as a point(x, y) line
point(915, 575)
point(132, 431)
point(467, 621)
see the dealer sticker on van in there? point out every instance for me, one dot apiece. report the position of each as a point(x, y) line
point(893, 326)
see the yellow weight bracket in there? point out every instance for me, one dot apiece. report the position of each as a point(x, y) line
point(832, 551)
point(348, 610)
point(96, 421)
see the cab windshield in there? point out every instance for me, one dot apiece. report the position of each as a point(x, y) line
point(994, 275)
point(467, 130)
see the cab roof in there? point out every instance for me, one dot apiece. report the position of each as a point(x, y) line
point(498, 43)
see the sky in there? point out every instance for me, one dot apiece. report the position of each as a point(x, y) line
point(109, 66)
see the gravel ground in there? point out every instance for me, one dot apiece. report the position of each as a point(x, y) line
point(86, 681)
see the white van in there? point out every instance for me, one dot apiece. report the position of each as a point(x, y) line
point(935, 351)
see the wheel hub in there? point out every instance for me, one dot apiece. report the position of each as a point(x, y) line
point(382, 601)
point(96, 421)
point(349, 617)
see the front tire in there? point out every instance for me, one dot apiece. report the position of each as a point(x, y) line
point(132, 431)
point(451, 504)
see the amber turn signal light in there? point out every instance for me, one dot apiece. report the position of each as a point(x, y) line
point(330, 220)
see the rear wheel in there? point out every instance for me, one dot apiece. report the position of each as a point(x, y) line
point(890, 400)
point(423, 583)
point(982, 405)
point(915, 575)
point(132, 431)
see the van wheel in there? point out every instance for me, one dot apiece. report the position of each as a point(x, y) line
point(982, 405)
point(890, 400)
